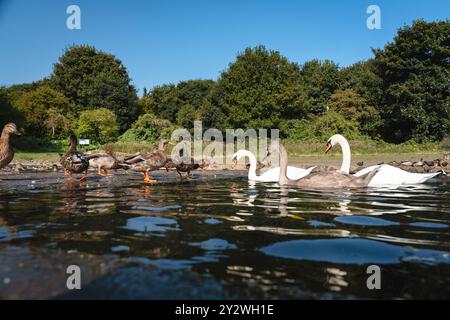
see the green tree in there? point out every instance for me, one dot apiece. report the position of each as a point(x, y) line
point(362, 79)
point(354, 107)
point(260, 89)
point(186, 116)
point(36, 106)
point(166, 101)
point(7, 112)
point(99, 125)
point(415, 73)
point(92, 79)
point(320, 79)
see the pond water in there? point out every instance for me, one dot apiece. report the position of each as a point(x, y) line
point(219, 236)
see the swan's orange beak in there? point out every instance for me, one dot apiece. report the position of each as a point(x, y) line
point(234, 164)
point(328, 147)
point(172, 143)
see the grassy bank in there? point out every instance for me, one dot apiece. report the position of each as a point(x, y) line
point(298, 150)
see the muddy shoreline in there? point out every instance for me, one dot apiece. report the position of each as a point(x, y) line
point(428, 163)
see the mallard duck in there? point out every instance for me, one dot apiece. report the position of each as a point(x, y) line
point(6, 149)
point(106, 161)
point(184, 163)
point(153, 161)
point(74, 161)
point(183, 166)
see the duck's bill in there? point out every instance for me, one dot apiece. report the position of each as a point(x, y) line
point(328, 147)
point(172, 143)
point(234, 164)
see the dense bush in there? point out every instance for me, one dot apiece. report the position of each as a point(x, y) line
point(148, 128)
point(99, 125)
point(320, 128)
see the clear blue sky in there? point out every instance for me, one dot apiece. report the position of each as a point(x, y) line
point(169, 41)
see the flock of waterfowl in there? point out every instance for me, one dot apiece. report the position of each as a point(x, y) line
point(76, 162)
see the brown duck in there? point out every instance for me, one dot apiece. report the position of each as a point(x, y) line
point(184, 163)
point(6, 149)
point(150, 162)
point(74, 161)
point(106, 161)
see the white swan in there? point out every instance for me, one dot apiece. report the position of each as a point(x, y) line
point(271, 175)
point(387, 174)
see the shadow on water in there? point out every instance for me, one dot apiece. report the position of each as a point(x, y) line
point(221, 237)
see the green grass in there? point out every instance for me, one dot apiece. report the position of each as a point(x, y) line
point(36, 156)
point(360, 149)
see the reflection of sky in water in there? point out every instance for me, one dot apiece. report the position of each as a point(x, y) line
point(151, 224)
point(353, 251)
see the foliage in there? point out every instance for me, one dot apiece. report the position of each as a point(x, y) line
point(99, 125)
point(186, 116)
point(167, 100)
point(7, 112)
point(320, 79)
point(148, 128)
point(362, 79)
point(260, 89)
point(93, 79)
point(354, 107)
point(320, 128)
point(415, 73)
point(40, 104)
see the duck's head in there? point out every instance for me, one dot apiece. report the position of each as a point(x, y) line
point(10, 129)
point(164, 142)
point(333, 141)
point(73, 141)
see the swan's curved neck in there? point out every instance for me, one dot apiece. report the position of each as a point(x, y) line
point(283, 179)
point(252, 170)
point(346, 155)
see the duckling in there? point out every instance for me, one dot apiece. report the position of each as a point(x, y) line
point(153, 161)
point(6, 149)
point(74, 161)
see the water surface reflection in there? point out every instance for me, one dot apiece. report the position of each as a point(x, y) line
point(254, 240)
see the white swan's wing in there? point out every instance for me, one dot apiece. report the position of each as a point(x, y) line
point(271, 175)
point(390, 175)
point(365, 171)
point(295, 173)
